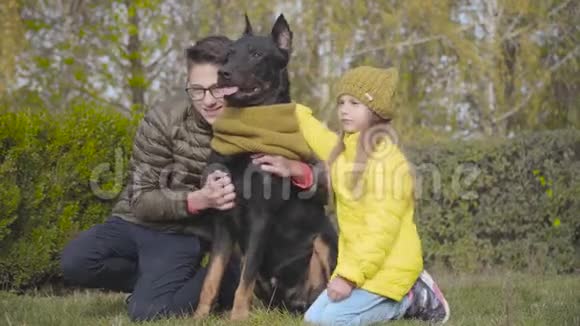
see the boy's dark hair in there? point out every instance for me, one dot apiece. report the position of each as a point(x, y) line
point(211, 49)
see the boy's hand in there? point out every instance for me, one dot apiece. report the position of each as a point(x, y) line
point(218, 193)
point(339, 289)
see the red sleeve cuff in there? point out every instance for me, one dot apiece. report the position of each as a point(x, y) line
point(193, 206)
point(306, 179)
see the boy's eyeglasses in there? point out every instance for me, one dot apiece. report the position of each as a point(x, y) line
point(198, 93)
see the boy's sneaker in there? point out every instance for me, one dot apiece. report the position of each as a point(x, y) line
point(427, 301)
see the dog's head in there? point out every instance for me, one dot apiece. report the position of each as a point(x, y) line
point(255, 70)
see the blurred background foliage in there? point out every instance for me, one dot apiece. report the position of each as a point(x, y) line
point(469, 68)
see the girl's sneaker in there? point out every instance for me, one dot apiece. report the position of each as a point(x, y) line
point(427, 301)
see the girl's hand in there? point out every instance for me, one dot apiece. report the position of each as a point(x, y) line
point(278, 165)
point(339, 289)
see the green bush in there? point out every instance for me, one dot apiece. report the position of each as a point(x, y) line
point(46, 164)
point(512, 203)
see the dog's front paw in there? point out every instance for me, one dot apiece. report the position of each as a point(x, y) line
point(240, 314)
point(202, 311)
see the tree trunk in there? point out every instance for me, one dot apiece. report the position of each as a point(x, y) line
point(136, 67)
point(489, 18)
point(11, 41)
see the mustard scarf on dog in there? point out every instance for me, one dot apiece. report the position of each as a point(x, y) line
point(269, 129)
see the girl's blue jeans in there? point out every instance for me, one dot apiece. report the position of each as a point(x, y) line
point(360, 308)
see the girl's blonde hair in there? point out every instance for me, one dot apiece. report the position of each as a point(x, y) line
point(380, 129)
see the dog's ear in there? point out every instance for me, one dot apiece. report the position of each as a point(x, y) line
point(248, 30)
point(282, 34)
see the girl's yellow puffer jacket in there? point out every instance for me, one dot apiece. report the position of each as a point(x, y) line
point(379, 247)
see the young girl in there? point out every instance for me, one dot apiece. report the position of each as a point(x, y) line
point(380, 257)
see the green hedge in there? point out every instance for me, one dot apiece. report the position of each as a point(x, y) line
point(521, 210)
point(513, 203)
point(46, 163)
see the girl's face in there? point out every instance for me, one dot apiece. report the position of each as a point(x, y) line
point(353, 114)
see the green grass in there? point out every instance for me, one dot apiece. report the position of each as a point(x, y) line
point(506, 299)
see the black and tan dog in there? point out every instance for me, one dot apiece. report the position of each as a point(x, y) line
point(288, 243)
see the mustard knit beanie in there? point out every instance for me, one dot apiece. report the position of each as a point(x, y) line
point(372, 86)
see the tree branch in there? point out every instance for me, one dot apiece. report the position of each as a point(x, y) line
point(399, 45)
point(151, 67)
point(154, 75)
point(122, 108)
point(115, 58)
point(539, 85)
point(408, 43)
point(556, 9)
point(552, 12)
